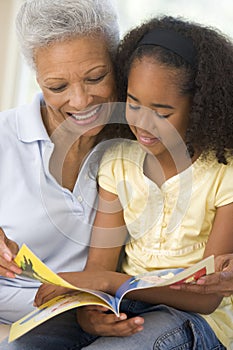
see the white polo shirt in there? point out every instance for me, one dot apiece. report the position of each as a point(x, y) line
point(54, 222)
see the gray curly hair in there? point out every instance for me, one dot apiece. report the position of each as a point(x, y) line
point(41, 22)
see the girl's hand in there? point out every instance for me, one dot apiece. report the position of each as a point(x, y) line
point(94, 320)
point(47, 292)
point(8, 250)
point(220, 282)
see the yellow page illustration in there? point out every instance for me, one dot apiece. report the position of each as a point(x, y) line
point(34, 268)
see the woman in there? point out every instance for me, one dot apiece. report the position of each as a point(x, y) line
point(50, 150)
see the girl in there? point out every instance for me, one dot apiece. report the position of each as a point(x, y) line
point(172, 188)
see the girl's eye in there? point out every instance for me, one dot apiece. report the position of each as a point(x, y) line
point(133, 107)
point(162, 116)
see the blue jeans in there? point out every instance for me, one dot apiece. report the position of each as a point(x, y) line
point(165, 328)
point(59, 333)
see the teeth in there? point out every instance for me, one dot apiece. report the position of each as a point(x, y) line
point(85, 116)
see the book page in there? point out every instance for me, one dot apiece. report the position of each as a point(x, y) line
point(161, 278)
point(34, 268)
point(52, 308)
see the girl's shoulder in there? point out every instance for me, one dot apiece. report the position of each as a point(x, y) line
point(124, 149)
point(229, 158)
point(122, 153)
point(209, 159)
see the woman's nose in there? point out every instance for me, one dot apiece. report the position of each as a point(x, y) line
point(80, 97)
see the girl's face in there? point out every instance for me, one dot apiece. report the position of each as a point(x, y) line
point(77, 80)
point(156, 111)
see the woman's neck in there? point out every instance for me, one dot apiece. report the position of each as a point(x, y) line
point(70, 150)
point(67, 159)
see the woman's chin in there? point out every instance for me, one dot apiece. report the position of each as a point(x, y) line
point(93, 131)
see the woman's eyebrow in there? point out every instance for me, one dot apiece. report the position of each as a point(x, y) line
point(157, 105)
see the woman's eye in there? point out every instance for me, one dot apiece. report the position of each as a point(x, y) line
point(97, 79)
point(57, 88)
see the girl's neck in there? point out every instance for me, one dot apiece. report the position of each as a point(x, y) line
point(161, 168)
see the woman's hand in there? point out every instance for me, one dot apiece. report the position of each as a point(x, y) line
point(94, 320)
point(220, 282)
point(8, 250)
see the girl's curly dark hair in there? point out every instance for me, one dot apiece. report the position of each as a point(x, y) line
point(210, 81)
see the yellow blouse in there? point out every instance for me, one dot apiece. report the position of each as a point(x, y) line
point(169, 226)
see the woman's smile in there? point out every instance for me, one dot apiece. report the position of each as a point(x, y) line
point(86, 117)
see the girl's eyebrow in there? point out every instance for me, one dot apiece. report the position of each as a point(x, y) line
point(157, 105)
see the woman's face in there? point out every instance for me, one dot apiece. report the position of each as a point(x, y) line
point(156, 110)
point(77, 80)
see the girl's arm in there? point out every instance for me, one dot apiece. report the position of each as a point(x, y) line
point(220, 242)
point(109, 234)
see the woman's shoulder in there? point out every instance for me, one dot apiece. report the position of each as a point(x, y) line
point(8, 122)
point(9, 115)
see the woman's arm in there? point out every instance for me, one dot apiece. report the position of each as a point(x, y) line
point(220, 282)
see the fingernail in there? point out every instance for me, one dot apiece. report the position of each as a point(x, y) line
point(175, 287)
point(123, 317)
point(10, 274)
point(16, 269)
point(138, 321)
point(201, 281)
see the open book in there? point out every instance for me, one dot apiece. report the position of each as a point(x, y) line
point(33, 268)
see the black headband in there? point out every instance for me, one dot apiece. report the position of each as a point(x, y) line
point(171, 40)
